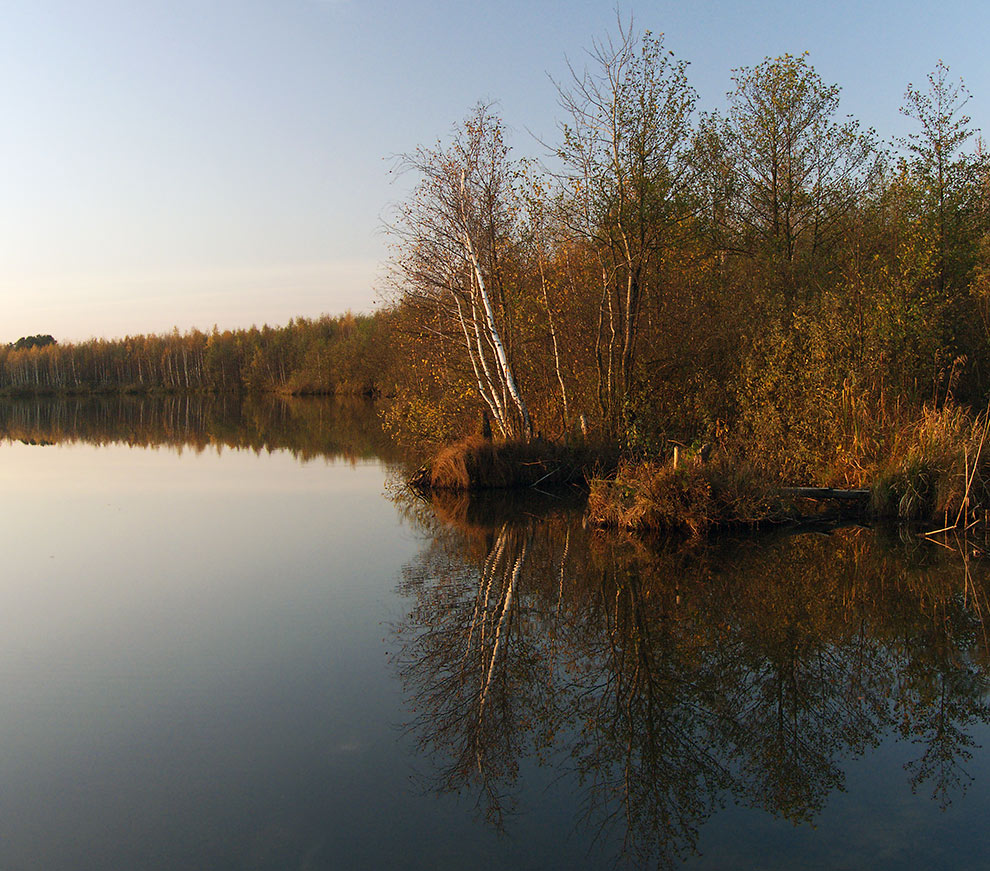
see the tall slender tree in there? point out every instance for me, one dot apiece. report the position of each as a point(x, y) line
point(456, 235)
point(946, 176)
point(782, 172)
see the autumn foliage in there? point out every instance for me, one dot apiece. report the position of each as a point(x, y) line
point(774, 279)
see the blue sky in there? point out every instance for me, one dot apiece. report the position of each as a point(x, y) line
point(191, 162)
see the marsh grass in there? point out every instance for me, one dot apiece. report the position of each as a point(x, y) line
point(692, 499)
point(477, 463)
point(939, 469)
point(936, 472)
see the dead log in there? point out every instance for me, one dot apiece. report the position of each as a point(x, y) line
point(826, 493)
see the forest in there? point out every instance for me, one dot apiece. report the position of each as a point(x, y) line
point(773, 278)
point(326, 355)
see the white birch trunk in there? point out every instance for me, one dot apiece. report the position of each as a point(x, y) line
point(498, 396)
point(488, 395)
point(553, 337)
point(500, 630)
point(509, 379)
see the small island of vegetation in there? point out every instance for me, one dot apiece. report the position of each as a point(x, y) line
point(771, 289)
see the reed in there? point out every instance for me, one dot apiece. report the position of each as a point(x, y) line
point(938, 471)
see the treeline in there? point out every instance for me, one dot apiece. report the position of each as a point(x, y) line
point(327, 355)
point(773, 275)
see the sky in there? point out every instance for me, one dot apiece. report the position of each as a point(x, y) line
point(185, 163)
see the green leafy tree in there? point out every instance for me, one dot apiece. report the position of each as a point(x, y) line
point(947, 178)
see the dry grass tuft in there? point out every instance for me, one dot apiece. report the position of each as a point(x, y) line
point(939, 469)
point(476, 463)
point(690, 499)
point(653, 497)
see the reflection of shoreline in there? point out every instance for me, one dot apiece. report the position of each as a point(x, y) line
point(677, 680)
point(310, 428)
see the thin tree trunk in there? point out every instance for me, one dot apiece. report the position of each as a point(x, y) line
point(556, 350)
point(488, 400)
point(509, 379)
point(499, 401)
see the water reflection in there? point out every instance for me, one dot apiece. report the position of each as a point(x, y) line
point(307, 427)
point(669, 682)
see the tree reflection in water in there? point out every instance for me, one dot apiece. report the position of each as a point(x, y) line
point(310, 427)
point(675, 680)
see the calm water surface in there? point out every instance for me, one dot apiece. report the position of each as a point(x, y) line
point(226, 641)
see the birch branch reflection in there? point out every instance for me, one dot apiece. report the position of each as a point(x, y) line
point(665, 683)
point(468, 672)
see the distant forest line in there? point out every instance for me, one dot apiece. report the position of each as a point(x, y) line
point(326, 355)
point(308, 428)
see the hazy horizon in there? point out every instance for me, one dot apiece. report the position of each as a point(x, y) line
point(184, 164)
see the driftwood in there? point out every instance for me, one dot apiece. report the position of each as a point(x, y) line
point(831, 504)
point(822, 494)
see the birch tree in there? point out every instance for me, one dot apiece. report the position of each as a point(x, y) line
point(625, 152)
point(456, 235)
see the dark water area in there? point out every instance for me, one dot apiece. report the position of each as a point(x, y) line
point(812, 700)
point(229, 639)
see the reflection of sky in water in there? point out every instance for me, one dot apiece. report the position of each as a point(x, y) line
point(187, 643)
point(194, 674)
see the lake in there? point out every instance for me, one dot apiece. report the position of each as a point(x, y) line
point(229, 639)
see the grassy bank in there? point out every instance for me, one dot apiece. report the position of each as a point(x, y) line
point(932, 471)
point(693, 498)
point(934, 474)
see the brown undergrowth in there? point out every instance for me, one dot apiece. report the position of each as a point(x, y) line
point(937, 472)
point(692, 498)
point(477, 463)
